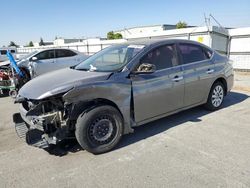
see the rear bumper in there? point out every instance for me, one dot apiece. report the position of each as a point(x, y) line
point(230, 82)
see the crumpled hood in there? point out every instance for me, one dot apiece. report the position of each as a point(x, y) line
point(57, 82)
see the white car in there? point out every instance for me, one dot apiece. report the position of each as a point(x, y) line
point(40, 62)
point(3, 53)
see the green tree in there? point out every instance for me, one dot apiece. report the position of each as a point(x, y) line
point(117, 36)
point(31, 44)
point(41, 43)
point(111, 35)
point(13, 44)
point(181, 24)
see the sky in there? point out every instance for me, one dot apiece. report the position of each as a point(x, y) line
point(28, 20)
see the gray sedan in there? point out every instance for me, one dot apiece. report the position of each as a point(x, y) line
point(119, 88)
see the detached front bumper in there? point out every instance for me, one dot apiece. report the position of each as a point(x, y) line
point(32, 137)
point(38, 130)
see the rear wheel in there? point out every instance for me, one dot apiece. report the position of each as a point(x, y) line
point(216, 96)
point(99, 129)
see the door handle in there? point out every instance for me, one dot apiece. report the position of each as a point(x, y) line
point(210, 71)
point(177, 78)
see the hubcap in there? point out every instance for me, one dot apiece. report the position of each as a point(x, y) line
point(102, 130)
point(217, 96)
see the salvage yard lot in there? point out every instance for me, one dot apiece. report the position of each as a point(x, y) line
point(194, 148)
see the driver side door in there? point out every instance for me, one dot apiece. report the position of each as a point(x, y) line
point(45, 62)
point(162, 91)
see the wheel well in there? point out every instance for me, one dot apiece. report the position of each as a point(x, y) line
point(26, 72)
point(106, 102)
point(83, 106)
point(224, 82)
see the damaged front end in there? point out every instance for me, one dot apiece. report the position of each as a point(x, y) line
point(42, 122)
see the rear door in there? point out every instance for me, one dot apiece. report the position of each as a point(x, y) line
point(65, 58)
point(162, 91)
point(198, 72)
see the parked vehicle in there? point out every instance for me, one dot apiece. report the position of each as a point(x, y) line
point(119, 88)
point(40, 62)
point(3, 53)
point(11, 77)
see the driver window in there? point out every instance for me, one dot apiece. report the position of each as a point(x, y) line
point(162, 57)
point(49, 54)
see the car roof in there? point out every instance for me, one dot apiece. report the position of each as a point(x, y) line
point(45, 49)
point(56, 49)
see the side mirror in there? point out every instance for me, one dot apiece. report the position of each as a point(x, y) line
point(146, 68)
point(33, 59)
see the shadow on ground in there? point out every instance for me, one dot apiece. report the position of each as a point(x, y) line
point(4, 94)
point(153, 128)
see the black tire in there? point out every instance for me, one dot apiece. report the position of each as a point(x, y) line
point(13, 93)
point(211, 104)
point(99, 129)
point(26, 77)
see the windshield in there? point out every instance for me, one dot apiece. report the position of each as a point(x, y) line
point(110, 59)
point(28, 55)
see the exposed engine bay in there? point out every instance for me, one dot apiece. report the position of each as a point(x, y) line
point(44, 122)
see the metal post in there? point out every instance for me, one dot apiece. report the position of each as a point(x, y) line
point(229, 46)
point(87, 48)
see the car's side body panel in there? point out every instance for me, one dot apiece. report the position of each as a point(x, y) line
point(116, 91)
point(42, 66)
point(157, 93)
point(197, 81)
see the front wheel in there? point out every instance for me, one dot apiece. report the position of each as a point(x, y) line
point(13, 93)
point(216, 96)
point(99, 129)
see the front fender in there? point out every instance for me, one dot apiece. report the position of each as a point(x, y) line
point(117, 92)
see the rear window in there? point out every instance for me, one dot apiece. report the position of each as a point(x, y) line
point(192, 53)
point(64, 53)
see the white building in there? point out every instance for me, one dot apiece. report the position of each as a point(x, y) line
point(145, 30)
point(235, 43)
point(46, 43)
point(239, 47)
point(62, 41)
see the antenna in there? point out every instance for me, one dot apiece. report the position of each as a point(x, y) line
point(207, 21)
point(217, 22)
